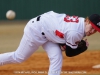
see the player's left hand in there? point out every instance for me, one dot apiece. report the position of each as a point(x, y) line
point(63, 47)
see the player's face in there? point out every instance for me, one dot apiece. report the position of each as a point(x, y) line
point(89, 30)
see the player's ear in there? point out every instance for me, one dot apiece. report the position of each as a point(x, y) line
point(87, 20)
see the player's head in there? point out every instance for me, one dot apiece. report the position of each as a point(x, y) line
point(92, 24)
point(95, 21)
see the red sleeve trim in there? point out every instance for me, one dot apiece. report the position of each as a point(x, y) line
point(71, 44)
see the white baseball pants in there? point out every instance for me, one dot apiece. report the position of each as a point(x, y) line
point(29, 44)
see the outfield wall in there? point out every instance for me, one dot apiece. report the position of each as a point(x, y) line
point(26, 9)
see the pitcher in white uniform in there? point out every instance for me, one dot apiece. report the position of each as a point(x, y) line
point(54, 32)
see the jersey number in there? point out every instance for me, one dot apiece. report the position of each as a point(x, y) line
point(67, 19)
point(71, 19)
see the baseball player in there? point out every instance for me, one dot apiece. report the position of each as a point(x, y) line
point(54, 32)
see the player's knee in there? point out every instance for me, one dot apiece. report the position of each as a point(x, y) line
point(19, 58)
point(56, 58)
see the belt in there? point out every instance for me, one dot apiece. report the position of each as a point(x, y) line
point(42, 33)
point(38, 19)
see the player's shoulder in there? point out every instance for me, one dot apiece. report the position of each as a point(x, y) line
point(81, 18)
point(53, 13)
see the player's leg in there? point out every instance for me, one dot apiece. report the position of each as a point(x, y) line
point(25, 49)
point(55, 56)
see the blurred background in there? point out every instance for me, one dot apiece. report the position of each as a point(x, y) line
point(26, 9)
point(11, 31)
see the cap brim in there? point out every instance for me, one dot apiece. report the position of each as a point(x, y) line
point(95, 27)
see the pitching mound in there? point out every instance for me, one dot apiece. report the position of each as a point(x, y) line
point(38, 64)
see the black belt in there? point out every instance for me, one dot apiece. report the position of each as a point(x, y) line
point(42, 33)
point(38, 18)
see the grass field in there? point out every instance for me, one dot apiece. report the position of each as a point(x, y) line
point(10, 35)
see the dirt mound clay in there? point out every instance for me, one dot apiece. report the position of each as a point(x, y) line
point(38, 64)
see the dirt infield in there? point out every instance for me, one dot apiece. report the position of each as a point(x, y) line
point(38, 64)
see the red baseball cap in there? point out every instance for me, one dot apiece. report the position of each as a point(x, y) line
point(95, 21)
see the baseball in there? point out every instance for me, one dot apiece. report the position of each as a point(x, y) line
point(10, 14)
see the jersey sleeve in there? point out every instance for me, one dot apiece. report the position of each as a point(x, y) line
point(73, 38)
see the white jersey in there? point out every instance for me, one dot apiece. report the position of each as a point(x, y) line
point(62, 28)
point(57, 28)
